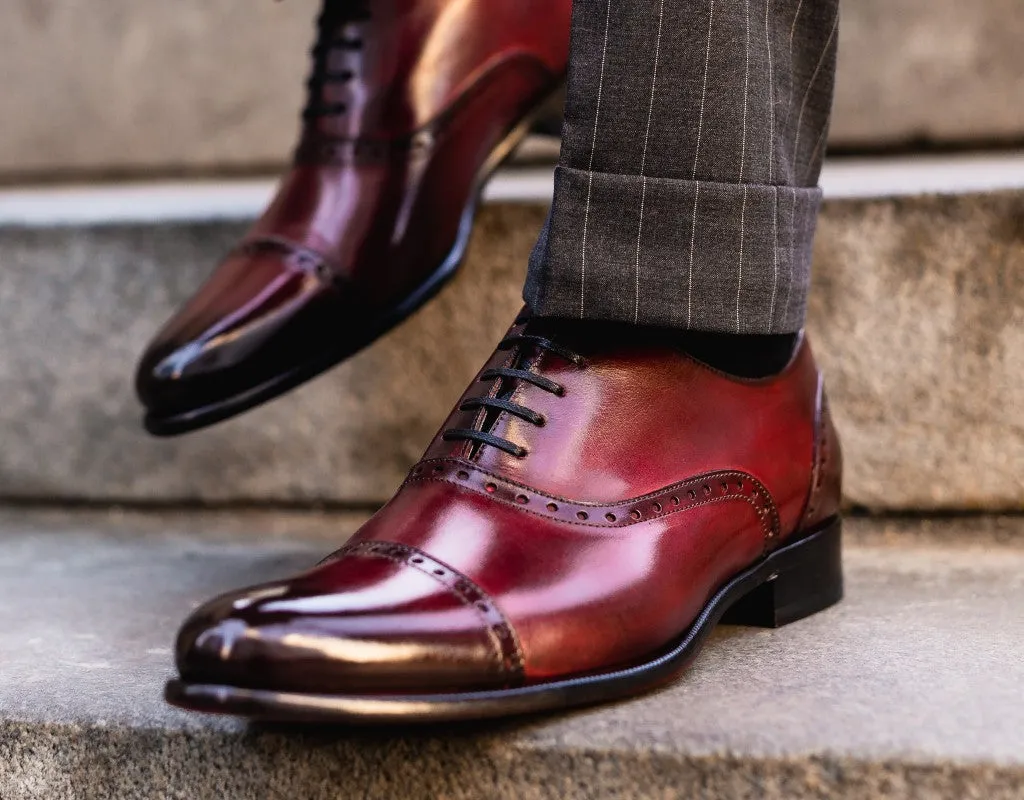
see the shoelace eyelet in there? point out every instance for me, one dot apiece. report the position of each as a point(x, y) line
point(503, 403)
point(331, 38)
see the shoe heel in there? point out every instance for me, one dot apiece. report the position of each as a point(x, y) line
point(806, 577)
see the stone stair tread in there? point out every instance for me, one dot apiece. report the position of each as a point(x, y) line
point(197, 200)
point(911, 685)
point(913, 73)
point(916, 314)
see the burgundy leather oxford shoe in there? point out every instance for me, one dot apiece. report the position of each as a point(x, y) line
point(413, 103)
point(596, 503)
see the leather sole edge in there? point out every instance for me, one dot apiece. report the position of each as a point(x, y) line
point(793, 582)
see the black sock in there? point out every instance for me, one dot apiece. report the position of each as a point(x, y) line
point(741, 354)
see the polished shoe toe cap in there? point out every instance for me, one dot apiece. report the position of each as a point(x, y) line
point(242, 328)
point(383, 625)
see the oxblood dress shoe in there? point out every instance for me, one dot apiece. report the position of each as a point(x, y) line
point(413, 103)
point(596, 503)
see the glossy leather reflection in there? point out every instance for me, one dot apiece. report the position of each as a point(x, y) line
point(412, 104)
point(589, 495)
point(392, 620)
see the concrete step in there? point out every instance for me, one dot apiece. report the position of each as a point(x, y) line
point(917, 314)
point(910, 688)
point(120, 96)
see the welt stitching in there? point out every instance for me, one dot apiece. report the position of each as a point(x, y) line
point(368, 548)
point(765, 525)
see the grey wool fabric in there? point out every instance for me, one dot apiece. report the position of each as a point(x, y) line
point(686, 192)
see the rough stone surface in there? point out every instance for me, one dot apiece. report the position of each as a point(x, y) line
point(910, 688)
point(124, 84)
point(917, 314)
point(207, 84)
point(72, 424)
point(928, 71)
point(917, 311)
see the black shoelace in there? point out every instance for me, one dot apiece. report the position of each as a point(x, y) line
point(331, 37)
point(501, 403)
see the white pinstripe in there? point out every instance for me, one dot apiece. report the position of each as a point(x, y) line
point(792, 266)
point(643, 158)
point(771, 92)
point(743, 163)
point(693, 239)
point(810, 88)
point(775, 252)
point(696, 159)
point(792, 77)
point(771, 157)
point(743, 231)
point(639, 233)
point(704, 90)
point(817, 147)
point(593, 150)
point(746, 95)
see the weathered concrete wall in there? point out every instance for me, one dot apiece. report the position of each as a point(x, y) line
point(917, 312)
point(118, 84)
point(217, 84)
point(929, 70)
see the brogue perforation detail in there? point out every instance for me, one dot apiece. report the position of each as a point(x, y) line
point(508, 652)
point(695, 492)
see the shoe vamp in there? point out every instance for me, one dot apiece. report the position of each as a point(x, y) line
point(580, 598)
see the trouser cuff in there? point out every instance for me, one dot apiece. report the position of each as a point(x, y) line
point(697, 255)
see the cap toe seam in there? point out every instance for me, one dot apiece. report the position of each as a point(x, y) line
point(505, 643)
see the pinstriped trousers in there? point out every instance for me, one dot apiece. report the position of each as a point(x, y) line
point(686, 193)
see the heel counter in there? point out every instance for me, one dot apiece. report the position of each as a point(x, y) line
point(826, 492)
